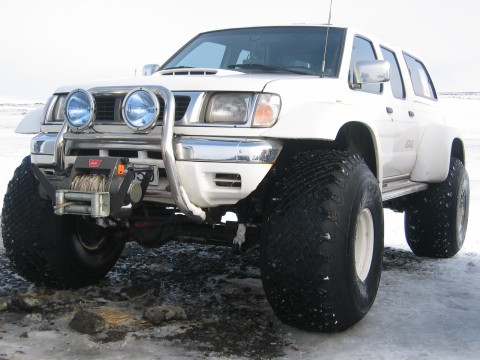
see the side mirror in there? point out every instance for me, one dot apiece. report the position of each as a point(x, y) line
point(371, 72)
point(150, 69)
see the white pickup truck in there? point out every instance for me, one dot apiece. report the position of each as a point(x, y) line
point(305, 133)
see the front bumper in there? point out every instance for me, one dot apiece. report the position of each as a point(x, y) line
point(201, 172)
point(186, 148)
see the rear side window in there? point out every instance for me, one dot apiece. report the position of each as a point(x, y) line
point(363, 50)
point(396, 80)
point(421, 81)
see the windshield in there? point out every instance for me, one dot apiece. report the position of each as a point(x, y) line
point(289, 49)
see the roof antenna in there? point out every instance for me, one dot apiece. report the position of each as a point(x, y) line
point(326, 41)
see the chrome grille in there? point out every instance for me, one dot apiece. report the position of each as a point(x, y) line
point(108, 106)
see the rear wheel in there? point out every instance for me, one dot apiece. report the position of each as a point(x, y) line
point(322, 242)
point(59, 251)
point(436, 219)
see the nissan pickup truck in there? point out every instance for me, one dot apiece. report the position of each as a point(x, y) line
point(301, 134)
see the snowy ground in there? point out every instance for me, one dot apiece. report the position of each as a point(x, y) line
point(425, 308)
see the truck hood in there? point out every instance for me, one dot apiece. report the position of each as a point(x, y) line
point(217, 80)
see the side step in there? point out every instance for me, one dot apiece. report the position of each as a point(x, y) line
point(398, 188)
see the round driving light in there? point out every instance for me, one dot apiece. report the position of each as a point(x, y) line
point(140, 109)
point(80, 109)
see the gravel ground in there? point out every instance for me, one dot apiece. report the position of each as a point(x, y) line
point(227, 314)
point(221, 294)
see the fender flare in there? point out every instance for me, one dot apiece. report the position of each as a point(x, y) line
point(31, 123)
point(434, 152)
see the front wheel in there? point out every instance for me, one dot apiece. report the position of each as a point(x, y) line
point(58, 251)
point(436, 219)
point(322, 242)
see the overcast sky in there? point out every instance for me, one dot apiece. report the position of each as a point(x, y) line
point(48, 43)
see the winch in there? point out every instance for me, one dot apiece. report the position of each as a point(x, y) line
point(98, 187)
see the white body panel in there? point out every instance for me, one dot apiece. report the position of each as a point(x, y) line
point(198, 179)
point(430, 165)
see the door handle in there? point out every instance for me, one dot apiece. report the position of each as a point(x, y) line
point(411, 113)
point(389, 110)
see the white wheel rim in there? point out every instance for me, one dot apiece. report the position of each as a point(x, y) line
point(364, 239)
point(461, 213)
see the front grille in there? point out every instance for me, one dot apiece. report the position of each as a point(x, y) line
point(105, 108)
point(108, 106)
point(181, 106)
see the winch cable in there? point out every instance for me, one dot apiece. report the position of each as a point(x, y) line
point(89, 183)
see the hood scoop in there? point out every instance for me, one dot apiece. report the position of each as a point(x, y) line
point(197, 71)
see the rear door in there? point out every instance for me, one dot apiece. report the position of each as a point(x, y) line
point(401, 110)
point(422, 106)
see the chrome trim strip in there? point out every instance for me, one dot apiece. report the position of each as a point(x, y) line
point(43, 144)
point(151, 138)
point(227, 150)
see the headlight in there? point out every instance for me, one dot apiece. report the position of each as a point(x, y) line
point(228, 108)
point(80, 109)
point(266, 110)
point(140, 109)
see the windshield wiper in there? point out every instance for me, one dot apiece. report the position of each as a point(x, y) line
point(270, 67)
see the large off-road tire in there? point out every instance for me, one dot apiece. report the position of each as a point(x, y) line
point(322, 242)
point(58, 251)
point(436, 219)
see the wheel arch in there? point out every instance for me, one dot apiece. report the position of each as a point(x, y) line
point(354, 137)
point(458, 150)
point(359, 138)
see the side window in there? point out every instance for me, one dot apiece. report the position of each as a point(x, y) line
point(421, 81)
point(363, 50)
point(396, 80)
